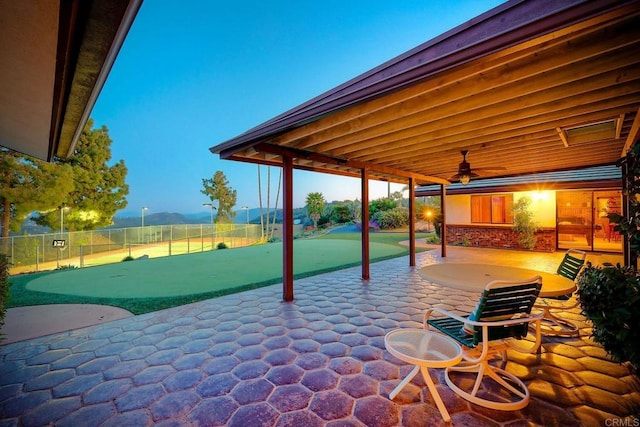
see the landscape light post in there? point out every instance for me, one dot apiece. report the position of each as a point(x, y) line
point(211, 207)
point(246, 228)
point(144, 208)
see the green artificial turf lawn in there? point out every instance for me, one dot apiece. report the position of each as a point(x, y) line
point(152, 284)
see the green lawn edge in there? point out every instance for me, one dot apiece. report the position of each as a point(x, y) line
point(20, 296)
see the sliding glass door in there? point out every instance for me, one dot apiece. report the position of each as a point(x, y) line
point(581, 220)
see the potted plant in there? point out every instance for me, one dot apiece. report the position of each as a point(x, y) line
point(523, 223)
point(609, 296)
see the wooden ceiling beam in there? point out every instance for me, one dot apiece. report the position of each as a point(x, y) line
point(552, 106)
point(454, 76)
point(417, 145)
point(549, 87)
point(534, 74)
point(294, 153)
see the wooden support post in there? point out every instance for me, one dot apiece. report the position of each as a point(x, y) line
point(365, 223)
point(443, 229)
point(287, 228)
point(412, 222)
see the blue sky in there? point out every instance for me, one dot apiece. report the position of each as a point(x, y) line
point(193, 74)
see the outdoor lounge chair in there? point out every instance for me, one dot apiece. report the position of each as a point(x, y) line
point(503, 311)
point(552, 324)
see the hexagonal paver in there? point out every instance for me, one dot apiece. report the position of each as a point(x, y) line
point(217, 385)
point(366, 353)
point(359, 386)
point(250, 339)
point(305, 346)
point(223, 349)
point(250, 369)
point(154, 374)
point(346, 365)
point(331, 405)
point(280, 356)
point(301, 418)
point(257, 414)
point(287, 374)
point(290, 397)
point(251, 353)
point(220, 365)
point(183, 380)
point(107, 390)
point(335, 349)
point(309, 361)
point(355, 339)
point(213, 412)
point(321, 379)
point(252, 391)
point(381, 370)
point(174, 405)
point(277, 342)
point(139, 397)
point(377, 411)
point(163, 357)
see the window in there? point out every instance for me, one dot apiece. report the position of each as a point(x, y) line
point(493, 209)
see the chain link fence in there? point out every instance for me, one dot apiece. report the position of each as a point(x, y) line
point(32, 253)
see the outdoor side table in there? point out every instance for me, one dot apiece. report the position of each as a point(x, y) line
point(425, 349)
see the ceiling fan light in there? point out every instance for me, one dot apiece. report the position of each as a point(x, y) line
point(464, 179)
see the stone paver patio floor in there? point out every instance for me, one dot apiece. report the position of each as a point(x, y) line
point(251, 360)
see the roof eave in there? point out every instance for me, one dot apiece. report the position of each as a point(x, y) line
point(95, 33)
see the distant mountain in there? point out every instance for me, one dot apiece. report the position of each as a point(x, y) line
point(162, 218)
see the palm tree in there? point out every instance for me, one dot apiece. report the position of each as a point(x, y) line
point(315, 207)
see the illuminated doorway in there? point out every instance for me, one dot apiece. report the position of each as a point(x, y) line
point(582, 223)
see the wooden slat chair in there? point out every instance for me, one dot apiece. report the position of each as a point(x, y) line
point(552, 324)
point(503, 311)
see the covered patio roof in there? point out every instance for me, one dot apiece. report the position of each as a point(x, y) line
point(531, 86)
point(55, 56)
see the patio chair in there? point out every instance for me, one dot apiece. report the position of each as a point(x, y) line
point(552, 324)
point(503, 312)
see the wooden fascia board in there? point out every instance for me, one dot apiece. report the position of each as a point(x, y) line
point(322, 158)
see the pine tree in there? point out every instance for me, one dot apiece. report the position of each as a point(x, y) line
point(27, 185)
point(217, 188)
point(100, 190)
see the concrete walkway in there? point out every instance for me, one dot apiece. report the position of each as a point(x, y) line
point(251, 360)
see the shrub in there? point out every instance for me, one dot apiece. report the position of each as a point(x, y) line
point(610, 298)
point(523, 223)
point(392, 218)
point(127, 258)
point(67, 267)
point(434, 238)
point(4, 287)
point(222, 245)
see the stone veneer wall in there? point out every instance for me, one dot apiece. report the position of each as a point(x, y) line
point(492, 236)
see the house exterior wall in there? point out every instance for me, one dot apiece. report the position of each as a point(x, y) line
point(460, 230)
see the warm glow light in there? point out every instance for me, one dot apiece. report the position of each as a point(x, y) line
point(464, 179)
point(540, 196)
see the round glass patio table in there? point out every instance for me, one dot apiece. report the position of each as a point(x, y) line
point(424, 349)
point(474, 277)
